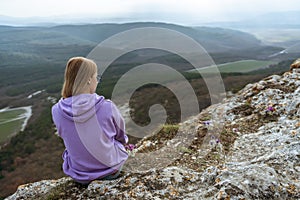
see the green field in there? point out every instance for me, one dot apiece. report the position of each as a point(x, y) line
point(9, 124)
point(238, 66)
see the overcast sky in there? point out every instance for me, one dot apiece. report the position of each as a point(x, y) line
point(181, 11)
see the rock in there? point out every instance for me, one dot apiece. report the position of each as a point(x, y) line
point(260, 127)
point(295, 65)
point(37, 189)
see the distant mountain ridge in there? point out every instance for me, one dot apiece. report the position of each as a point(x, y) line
point(272, 19)
point(287, 19)
point(212, 39)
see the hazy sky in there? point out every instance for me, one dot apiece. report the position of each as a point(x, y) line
point(184, 10)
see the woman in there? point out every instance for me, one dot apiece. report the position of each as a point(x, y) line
point(91, 127)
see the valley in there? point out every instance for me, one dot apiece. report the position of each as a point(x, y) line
point(33, 61)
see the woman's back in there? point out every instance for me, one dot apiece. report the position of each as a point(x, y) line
point(93, 132)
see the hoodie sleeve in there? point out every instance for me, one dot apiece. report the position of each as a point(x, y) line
point(119, 125)
point(55, 119)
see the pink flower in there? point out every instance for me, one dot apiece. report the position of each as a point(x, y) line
point(130, 147)
point(270, 108)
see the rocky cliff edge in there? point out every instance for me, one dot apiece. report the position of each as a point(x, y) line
point(254, 155)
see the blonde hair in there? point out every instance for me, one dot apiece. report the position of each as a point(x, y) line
point(77, 74)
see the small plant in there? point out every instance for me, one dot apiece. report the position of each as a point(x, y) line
point(215, 143)
point(207, 123)
point(185, 150)
point(270, 110)
point(131, 149)
point(169, 128)
point(214, 130)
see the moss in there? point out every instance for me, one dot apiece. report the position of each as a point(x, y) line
point(206, 117)
point(185, 150)
point(169, 128)
point(65, 190)
point(166, 133)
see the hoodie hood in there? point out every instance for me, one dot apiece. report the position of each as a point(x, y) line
point(80, 108)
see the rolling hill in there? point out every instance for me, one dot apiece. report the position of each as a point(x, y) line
point(212, 39)
point(36, 56)
point(32, 40)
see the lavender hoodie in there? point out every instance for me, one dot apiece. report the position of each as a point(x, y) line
point(93, 132)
